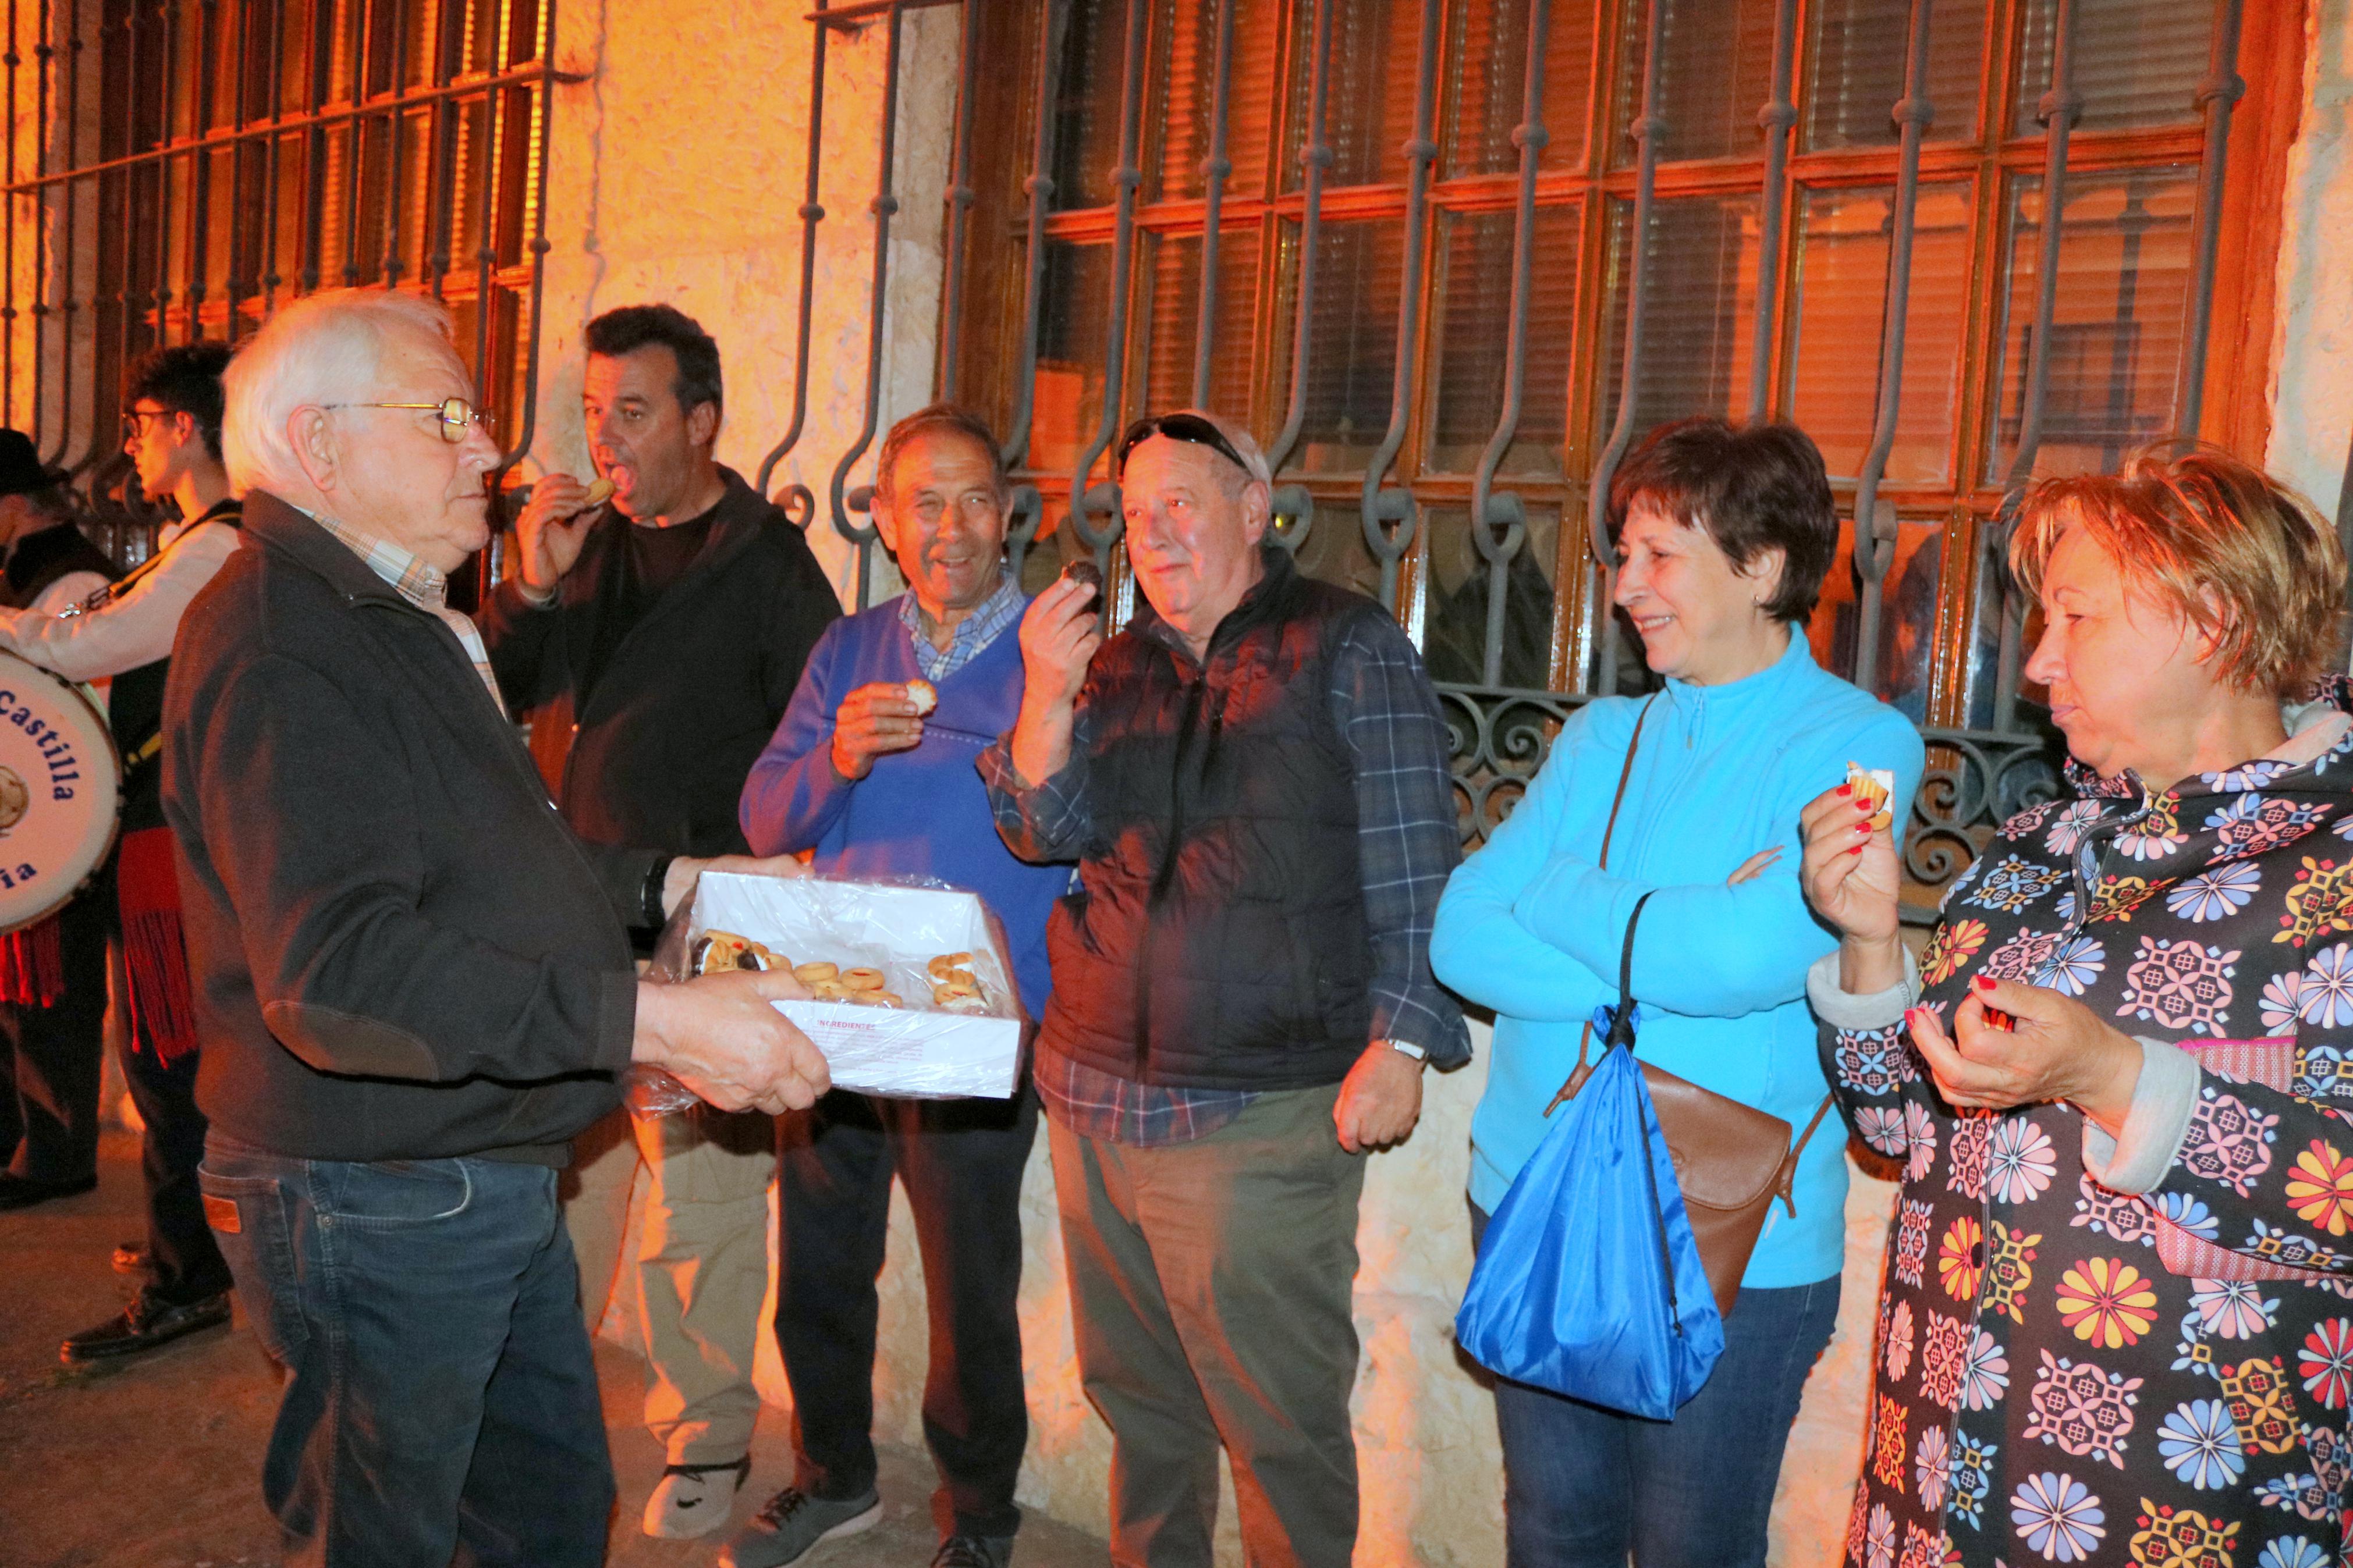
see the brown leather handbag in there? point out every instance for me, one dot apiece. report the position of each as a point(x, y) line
point(1731, 1160)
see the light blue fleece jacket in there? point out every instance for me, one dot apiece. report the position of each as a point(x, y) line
point(1531, 927)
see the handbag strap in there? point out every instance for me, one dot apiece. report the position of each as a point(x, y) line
point(1578, 1074)
point(1621, 1023)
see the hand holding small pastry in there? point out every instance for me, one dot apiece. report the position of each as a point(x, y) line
point(874, 721)
point(553, 528)
point(1852, 878)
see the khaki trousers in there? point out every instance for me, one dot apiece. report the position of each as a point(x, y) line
point(702, 1263)
point(1210, 1287)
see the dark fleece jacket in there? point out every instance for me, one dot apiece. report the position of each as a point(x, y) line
point(664, 736)
point(399, 949)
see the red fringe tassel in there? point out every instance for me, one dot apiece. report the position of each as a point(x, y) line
point(154, 948)
point(32, 966)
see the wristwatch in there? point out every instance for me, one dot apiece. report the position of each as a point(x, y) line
point(1409, 1049)
point(651, 897)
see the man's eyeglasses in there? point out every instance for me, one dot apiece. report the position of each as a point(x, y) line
point(134, 420)
point(455, 413)
point(1188, 427)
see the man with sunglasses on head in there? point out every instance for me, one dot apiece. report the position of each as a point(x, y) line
point(1252, 777)
point(122, 634)
point(667, 627)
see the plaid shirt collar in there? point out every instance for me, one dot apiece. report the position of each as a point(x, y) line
point(422, 585)
point(971, 636)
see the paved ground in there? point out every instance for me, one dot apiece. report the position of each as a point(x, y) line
point(157, 1464)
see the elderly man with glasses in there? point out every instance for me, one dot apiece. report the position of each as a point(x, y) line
point(1252, 777)
point(412, 979)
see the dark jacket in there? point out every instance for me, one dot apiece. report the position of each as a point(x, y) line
point(663, 739)
point(1219, 939)
point(40, 559)
point(399, 949)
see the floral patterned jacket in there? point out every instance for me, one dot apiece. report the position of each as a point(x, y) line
point(2063, 1374)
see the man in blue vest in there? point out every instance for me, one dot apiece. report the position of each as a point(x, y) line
point(1252, 777)
point(873, 771)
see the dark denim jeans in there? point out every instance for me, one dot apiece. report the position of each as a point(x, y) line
point(1583, 1486)
point(441, 1394)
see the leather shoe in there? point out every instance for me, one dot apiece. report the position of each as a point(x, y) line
point(24, 1192)
point(143, 1326)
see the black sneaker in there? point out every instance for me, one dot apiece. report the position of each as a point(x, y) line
point(792, 1521)
point(974, 1552)
point(145, 1325)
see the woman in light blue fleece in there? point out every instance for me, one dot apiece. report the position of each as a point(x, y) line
point(1724, 538)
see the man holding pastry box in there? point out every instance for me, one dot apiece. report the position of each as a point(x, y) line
point(412, 979)
point(873, 771)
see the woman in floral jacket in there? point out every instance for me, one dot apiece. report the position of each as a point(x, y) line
point(2117, 1324)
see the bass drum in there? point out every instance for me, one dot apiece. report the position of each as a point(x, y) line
point(60, 792)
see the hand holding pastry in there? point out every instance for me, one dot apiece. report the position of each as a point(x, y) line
point(874, 721)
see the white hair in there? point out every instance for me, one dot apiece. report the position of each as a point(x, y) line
point(1244, 443)
point(322, 349)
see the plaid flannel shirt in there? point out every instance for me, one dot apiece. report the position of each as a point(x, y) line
point(971, 636)
point(1407, 845)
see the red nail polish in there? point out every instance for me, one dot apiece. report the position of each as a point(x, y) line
point(1846, 789)
point(1856, 850)
point(1983, 983)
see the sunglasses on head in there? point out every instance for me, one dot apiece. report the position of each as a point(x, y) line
point(1187, 428)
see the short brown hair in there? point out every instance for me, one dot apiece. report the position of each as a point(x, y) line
point(940, 418)
point(1749, 487)
point(2239, 555)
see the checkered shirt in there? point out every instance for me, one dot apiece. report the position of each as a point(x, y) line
point(422, 585)
point(971, 636)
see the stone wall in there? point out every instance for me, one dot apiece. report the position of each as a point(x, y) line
point(678, 175)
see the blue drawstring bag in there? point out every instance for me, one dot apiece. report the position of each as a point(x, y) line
point(1588, 1282)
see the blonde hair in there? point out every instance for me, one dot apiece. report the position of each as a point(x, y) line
point(325, 348)
point(2239, 556)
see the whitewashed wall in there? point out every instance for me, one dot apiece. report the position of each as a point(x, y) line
point(677, 174)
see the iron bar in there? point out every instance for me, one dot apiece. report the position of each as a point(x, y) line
point(526, 74)
point(1028, 507)
point(960, 197)
point(811, 215)
point(237, 160)
point(1646, 131)
point(356, 139)
point(271, 162)
point(848, 16)
point(2223, 87)
point(200, 165)
point(524, 436)
point(886, 203)
point(67, 305)
point(11, 59)
point(130, 251)
point(2060, 109)
point(1382, 503)
point(395, 124)
point(1128, 176)
point(1216, 169)
point(314, 156)
point(1294, 508)
point(441, 196)
point(1874, 543)
point(167, 11)
point(486, 235)
point(1776, 120)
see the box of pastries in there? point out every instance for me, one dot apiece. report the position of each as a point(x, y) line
point(911, 991)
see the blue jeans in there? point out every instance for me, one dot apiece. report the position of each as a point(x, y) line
point(440, 1393)
point(1583, 1486)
